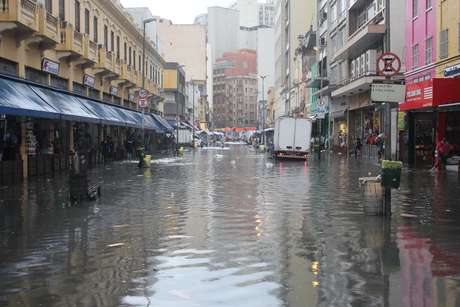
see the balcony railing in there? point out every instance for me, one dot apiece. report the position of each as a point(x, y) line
point(92, 50)
point(78, 39)
point(48, 26)
point(21, 12)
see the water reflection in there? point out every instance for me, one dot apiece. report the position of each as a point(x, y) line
point(228, 227)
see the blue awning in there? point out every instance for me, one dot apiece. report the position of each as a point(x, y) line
point(107, 113)
point(68, 106)
point(164, 123)
point(18, 99)
point(150, 123)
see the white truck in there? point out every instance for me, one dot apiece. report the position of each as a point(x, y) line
point(185, 136)
point(292, 138)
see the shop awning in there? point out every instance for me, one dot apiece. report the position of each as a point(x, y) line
point(150, 123)
point(163, 123)
point(106, 113)
point(18, 99)
point(431, 93)
point(69, 107)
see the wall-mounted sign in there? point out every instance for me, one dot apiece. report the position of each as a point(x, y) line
point(113, 90)
point(388, 92)
point(89, 81)
point(452, 71)
point(50, 66)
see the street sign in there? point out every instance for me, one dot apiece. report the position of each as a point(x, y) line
point(143, 94)
point(388, 92)
point(142, 103)
point(388, 64)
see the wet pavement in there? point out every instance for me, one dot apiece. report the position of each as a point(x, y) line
point(229, 227)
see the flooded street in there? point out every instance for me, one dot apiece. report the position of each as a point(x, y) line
point(229, 227)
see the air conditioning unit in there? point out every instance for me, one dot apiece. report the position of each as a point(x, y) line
point(322, 42)
point(353, 69)
point(370, 62)
point(358, 67)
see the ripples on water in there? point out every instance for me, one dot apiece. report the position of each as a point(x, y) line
point(229, 227)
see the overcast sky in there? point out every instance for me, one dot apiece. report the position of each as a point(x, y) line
point(178, 11)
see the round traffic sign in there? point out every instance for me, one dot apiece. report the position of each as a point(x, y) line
point(388, 64)
point(142, 103)
point(143, 93)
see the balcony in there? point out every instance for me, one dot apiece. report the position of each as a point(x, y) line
point(105, 65)
point(126, 74)
point(117, 65)
point(49, 32)
point(71, 44)
point(90, 53)
point(365, 37)
point(355, 86)
point(20, 16)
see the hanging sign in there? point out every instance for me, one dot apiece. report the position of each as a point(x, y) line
point(113, 90)
point(50, 66)
point(89, 81)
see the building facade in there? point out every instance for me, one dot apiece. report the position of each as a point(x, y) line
point(292, 18)
point(267, 13)
point(174, 92)
point(235, 90)
point(85, 60)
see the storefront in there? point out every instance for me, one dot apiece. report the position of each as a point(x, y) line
point(40, 126)
point(432, 108)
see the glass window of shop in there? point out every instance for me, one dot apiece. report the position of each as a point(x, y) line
point(453, 132)
point(94, 93)
point(45, 137)
point(10, 138)
point(36, 75)
point(8, 67)
point(79, 89)
point(59, 82)
point(423, 138)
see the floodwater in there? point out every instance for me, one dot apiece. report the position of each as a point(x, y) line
point(229, 227)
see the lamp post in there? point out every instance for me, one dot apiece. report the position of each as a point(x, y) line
point(146, 21)
point(263, 109)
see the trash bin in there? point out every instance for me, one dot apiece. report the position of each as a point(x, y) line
point(391, 174)
point(372, 196)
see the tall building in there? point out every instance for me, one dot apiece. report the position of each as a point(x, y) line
point(248, 12)
point(267, 13)
point(201, 20)
point(235, 90)
point(292, 18)
point(223, 31)
point(175, 91)
point(265, 60)
point(75, 69)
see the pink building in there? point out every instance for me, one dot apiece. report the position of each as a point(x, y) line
point(420, 45)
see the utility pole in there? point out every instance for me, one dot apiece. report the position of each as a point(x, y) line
point(193, 114)
point(387, 131)
point(146, 21)
point(263, 109)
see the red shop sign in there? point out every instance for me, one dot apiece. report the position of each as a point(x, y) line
point(418, 95)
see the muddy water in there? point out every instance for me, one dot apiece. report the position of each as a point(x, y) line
point(228, 227)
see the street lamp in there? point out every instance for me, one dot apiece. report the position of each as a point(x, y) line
point(146, 21)
point(177, 108)
point(263, 108)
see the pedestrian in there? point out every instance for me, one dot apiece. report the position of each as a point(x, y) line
point(442, 153)
point(129, 147)
point(358, 147)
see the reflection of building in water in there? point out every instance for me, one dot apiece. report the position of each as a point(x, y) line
point(425, 270)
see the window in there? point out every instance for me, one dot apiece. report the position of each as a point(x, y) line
point(118, 47)
point(49, 6)
point(414, 8)
point(140, 63)
point(134, 59)
point(87, 21)
point(130, 59)
point(429, 51)
point(112, 41)
point(415, 56)
point(95, 34)
point(429, 4)
point(444, 44)
point(106, 37)
point(62, 9)
point(77, 16)
point(125, 52)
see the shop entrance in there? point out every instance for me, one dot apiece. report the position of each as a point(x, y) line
point(424, 139)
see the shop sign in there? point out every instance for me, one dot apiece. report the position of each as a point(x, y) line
point(89, 81)
point(113, 90)
point(50, 66)
point(452, 70)
point(388, 92)
point(418, 95)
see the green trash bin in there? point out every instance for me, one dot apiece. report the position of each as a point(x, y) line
point(391, 174)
